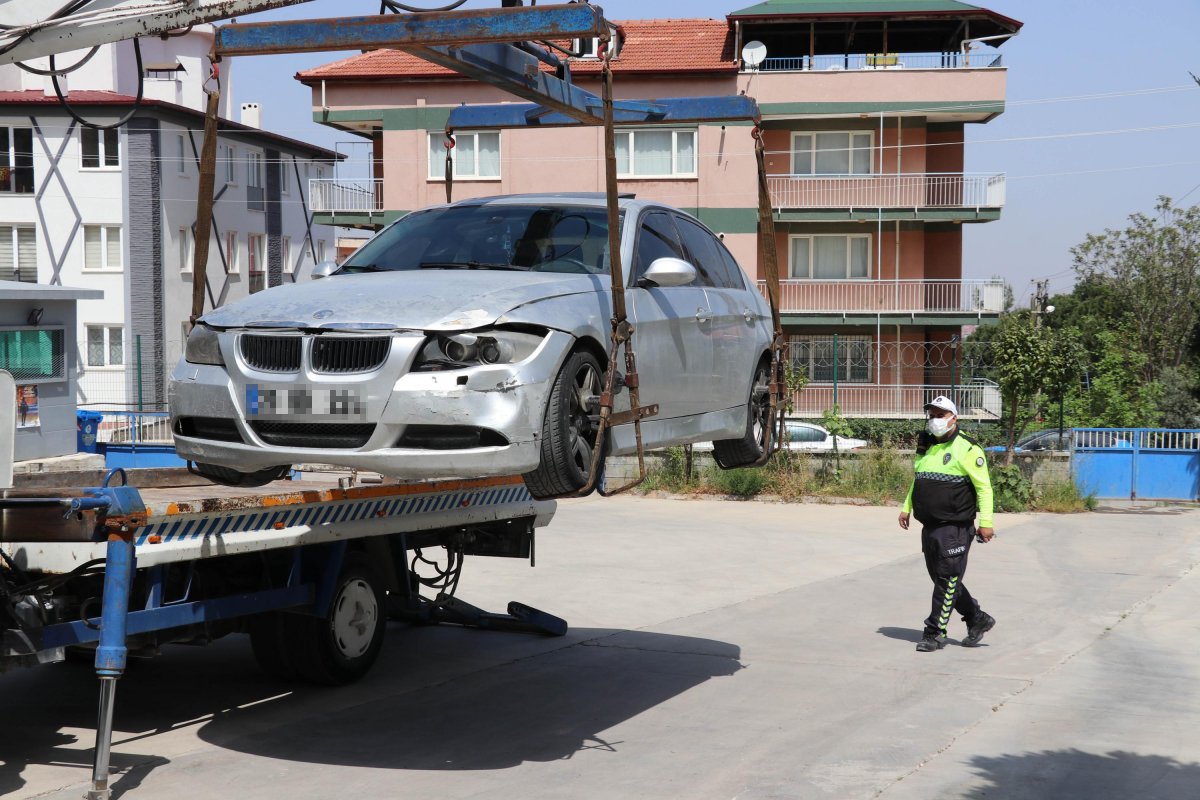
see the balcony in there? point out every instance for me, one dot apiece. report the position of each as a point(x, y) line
point(345, 196)
point(872, 61)
point(977, 399)
point(908, 191)
point(892, 297)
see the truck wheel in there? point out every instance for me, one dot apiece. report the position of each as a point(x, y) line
point(270, 650)
point(340, 647)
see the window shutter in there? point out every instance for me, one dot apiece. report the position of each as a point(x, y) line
point(114, 247)
point(91, 247)
point(27, 254)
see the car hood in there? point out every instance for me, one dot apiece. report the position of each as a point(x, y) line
point(414, 300)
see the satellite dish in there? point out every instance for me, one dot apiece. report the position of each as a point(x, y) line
point(753, 54)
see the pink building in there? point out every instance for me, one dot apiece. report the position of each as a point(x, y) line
point(864, 110)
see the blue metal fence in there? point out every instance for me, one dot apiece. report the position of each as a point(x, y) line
point(1137, 463)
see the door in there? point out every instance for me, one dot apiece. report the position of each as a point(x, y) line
point(734, 317)
point(673, 337)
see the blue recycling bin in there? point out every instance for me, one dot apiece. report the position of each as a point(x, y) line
point(88, 423)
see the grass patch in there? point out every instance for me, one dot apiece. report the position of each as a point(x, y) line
point(1062, 497)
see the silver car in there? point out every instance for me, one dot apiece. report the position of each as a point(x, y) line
point(469, 340)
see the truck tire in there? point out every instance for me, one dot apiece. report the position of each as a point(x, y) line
point(340, 647)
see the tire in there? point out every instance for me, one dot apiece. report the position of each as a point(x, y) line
point(340, 647)
point(227, 476)
point(270, 649)
point(568, 429)
point(731, 453)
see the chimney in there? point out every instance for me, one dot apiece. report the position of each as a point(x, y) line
point(251, 115)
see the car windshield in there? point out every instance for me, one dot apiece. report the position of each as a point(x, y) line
point(533, 237)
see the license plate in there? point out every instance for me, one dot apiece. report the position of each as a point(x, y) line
point(262, 401)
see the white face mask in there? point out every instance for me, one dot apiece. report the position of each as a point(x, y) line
point(938, 426)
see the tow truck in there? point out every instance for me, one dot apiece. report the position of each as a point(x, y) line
point(309, 571)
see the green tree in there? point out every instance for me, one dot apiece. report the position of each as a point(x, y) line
point(837, 425)
point(1153, 266)
point(1022, 353)
point(1116, 394)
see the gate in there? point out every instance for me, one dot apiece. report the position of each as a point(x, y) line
point(1137, 463)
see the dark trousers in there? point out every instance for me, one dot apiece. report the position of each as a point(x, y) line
point(946, 547)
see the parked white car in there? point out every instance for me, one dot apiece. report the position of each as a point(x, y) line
point(807, 437)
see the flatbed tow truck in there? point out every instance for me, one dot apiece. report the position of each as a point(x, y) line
point(312, 572)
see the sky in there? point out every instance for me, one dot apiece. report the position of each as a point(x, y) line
point(1102, 118)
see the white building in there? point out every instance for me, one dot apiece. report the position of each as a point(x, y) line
point(114, 209)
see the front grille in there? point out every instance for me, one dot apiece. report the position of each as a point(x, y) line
point(221, 430)
point(271, 353)
point(449, 437)
point(339, 354)
point(329, 436)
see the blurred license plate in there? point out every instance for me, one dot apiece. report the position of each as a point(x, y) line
point(262, 401)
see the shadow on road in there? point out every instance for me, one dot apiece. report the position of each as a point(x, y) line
point(439, 698)
point(903, 634)
point(1076, 775)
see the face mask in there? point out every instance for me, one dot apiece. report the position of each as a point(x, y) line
point(938, 426)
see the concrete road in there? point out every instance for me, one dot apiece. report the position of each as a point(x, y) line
point(717, 650)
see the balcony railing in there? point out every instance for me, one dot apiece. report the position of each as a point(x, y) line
point(977, 399)
point(901, 190)
point(953, 296)
point(339, 195)
point(839, 63)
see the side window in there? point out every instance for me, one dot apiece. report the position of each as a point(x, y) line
point(804, 433)
point(735, 278)
point(656, 239)
point(702, 249)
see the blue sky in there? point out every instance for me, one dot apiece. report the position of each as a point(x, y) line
point(1079, 73)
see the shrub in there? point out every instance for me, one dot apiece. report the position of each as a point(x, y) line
point(1063, 497)
point(670, 475)
point(737, 482)
point(1011, 491)
point(880, 475)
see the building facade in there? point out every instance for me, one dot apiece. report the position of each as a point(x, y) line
point(864, 117)
point(115, 209)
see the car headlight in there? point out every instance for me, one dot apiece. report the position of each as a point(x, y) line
point(203, 347)
point(462, 350)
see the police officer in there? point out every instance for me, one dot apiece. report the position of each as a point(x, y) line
point(951, 482)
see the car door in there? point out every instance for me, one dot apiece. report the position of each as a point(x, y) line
point(732, 329)
point(807, 437)
point(673, 336)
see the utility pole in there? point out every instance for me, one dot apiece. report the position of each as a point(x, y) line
point(1041, 299)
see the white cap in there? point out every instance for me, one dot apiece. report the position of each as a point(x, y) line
point(944, 403)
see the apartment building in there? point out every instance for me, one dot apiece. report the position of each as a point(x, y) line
point(114, 209)
point(865, 107)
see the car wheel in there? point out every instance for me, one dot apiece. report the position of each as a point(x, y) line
point(730, 453)
point(227, 476)
point(340, 647)
point(568, 429)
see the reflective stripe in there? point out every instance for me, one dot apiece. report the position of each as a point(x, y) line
point(942, 476)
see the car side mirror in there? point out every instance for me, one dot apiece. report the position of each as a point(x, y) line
point(324, 269)
point(668, 272)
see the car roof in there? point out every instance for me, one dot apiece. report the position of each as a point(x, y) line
point(626, 201)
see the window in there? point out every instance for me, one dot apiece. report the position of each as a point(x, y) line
point(16, 160)
point(320, 252)
point(102, 247)
point(815, 354)
point(99, 149)
point(285, 181)
point(830, 257)
point(474, 155)
point(187, 249)
point(657, 239)
point(33, 354)
point(805, 433)
point(256, 261)
point(229, 159)
point(231, 252)
point(832, 153)
point(105, 346)
point(255, 197)
point(18, 253)
point(586, 48)
point(737, 280)
point(656, 153)
point(285, 254)
point(180, 154)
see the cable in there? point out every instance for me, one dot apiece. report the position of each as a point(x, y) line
point(137, 103)
point(397, 7)
point(64, 70)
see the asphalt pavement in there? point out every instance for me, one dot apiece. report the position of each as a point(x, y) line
point(717, 650)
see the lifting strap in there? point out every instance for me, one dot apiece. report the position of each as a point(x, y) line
point(769, 264)
point(204, 200)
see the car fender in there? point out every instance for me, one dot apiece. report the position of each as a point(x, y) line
point(584, 315)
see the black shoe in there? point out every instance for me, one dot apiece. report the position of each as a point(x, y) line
point(975, 633)
point(931, 643)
